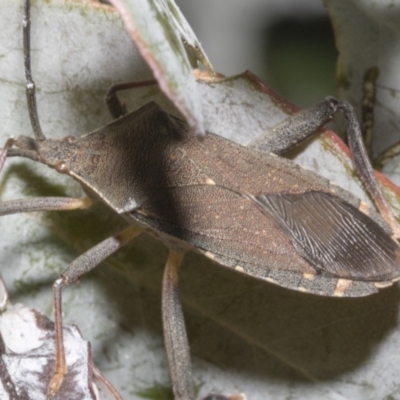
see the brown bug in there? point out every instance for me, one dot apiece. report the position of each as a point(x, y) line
point(167, 188)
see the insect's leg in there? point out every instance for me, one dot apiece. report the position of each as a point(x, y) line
point(296, 128)
point(97, 373)
point(4, 151)
point(176, 342)
point(116, 108)
point(363, 166)
point(175, 337)
point(43, 204)
point(39, 203)
point(83, 264)
point(301, 125)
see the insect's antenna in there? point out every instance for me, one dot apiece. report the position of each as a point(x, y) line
point(30, 85)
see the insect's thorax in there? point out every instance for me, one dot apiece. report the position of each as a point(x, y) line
point(126, 161)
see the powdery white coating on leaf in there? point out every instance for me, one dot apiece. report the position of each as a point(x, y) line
point(15, 327)
point(30, 363)
point(236, 110)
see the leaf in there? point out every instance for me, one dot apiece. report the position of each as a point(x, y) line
point(171, 49)
point(245, 335)
point(28, 356)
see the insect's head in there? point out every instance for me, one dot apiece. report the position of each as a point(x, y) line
point(54, 153)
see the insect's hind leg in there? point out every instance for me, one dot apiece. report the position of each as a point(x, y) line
point(176, 342)
point(175, 337)
point(296, 128)
point(303, 124)
point(115, 106)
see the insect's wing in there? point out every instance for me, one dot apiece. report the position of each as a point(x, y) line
point(234, 232)
point(221, 222)
point(334, 236)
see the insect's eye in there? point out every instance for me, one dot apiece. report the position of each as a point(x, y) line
point(62, 167)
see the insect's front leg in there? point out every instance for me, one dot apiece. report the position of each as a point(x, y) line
point(116, 108)
point(83, 264)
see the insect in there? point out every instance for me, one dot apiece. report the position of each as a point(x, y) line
point(254, 212)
